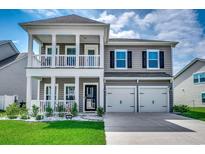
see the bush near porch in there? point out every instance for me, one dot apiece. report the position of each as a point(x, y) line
point(54, 133)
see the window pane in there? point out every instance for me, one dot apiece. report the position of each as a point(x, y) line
point(153, 55)
point(49, 51)
point(196, 80)
point(120, 55)
point(121, 64)
point(91, 52)
point(203, 97)
point(153, 63)
point(71, 51)
point(202, 77)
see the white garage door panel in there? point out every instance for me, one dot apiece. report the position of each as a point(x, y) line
point(119, 99)
point(153, 99)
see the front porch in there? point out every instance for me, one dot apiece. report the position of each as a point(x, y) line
point(60, 93)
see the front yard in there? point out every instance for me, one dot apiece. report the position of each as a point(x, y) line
point(196, 113)
point(13, 132)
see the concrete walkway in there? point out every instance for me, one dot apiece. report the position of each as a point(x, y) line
point(153, 128)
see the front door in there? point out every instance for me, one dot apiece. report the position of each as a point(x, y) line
point(90, 97)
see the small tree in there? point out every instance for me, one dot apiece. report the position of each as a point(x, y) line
point(74, 109)
point(49, 111)
point(24, 112)
point(12, 111)
point(61, 110)
point(35, 110)
point(100, 111)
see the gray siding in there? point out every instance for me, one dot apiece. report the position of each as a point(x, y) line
point(13, 80)
point(6, 51)
point(137, 59)
point(185, 91)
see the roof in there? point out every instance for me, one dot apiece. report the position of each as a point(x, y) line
point(136, 74)
point(68, 19)
point(12, 59)
point(140, 41)
point(188, 66)
point(11, 43)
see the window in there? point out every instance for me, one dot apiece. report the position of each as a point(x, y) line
point(121, 59)
point(203, 97)
point(199, 78)
point(153, 59)
point(70, 50)
point(69, 93)
point(49, 50)
point(47, 92)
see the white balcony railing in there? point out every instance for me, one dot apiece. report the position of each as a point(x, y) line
point(66, 61)
point(59, 105)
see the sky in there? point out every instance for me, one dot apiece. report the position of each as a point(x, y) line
point(185, 26)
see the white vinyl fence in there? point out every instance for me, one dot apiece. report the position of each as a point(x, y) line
point(6, 100)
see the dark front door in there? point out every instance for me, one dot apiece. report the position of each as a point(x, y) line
point(90, 97)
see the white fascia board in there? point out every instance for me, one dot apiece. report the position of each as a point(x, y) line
point(38, 72)
point(138, 78)
point(142, 43)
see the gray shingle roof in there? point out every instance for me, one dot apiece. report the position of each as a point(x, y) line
point(11, 43)
point(136, 74)
point(11, 59)
point(68, 19)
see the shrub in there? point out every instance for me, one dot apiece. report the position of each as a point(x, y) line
point(12, 111)
point(74, 109)
point(39, 117)
point(35, 110)
point(100, 111)
point(49, 111)
point(24, 112)
point(181, 108)
point(25, 117)
point(61, 110)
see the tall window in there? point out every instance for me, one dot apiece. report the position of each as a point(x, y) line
point(49, 50)
point(153, 59)
point(203, 97)
point(199, 78)
point(121, 59)
point(69, 92)
point(47, 95)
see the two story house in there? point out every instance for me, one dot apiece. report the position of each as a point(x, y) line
point(78, 62)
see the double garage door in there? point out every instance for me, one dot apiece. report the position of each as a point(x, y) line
point(124, 99)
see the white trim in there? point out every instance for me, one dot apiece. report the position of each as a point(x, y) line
point(135, 98)
point(143, 43)
point(38, 90)
point(156, 87)
point(138, 78)
point(197, 73)
point(89, 83)
point(65, 85)
point(121, 50)
point(153, 50)
point(48, 84)
point(92, 47)
point(69, 46)
point(50, 46)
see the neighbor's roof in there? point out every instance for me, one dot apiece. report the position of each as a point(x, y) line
point(188, 66)
point(139, 41)
point(12, 59)
point(68, 19)
point(11, 43)
point(136, 74)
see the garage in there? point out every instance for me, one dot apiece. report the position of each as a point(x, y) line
point(120, 98)
point(153, 99)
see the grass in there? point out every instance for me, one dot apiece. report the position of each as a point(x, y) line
point(196, 113)
point(55, 133)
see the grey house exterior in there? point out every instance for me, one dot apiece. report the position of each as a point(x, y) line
point(78, 62)
point(189, 87)
point(13, 71)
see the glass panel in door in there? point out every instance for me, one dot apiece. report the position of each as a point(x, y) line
point(71, 60)
point(90, 97)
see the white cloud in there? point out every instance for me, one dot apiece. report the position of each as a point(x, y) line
point(15, 41)
point(44, 13)
point(124, 34)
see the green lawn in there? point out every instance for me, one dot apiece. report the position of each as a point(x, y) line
point(57, 133)
point(196, 113)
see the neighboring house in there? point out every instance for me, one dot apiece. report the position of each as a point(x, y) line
point(78, 62)
point(189, 84)
point(13, 71)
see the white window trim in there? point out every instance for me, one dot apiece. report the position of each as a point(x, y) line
point(153, 50)
point(203, 92)
point(198, 78)
point(121, 50)
point(47, 85)
point(91, 47)
point(50, 46)
point(69, 46)
point(67, 85)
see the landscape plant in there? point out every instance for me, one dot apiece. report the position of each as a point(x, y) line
point(100, 111)
point(74, 109)
point(181, 108)
point(35, 110)
point(49, 111)
point(12, 111)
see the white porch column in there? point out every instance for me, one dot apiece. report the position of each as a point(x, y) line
point(30, 50)
point(28, 92)
point(77, 91)
point(101, 92)
point(102, 51)
point(77, 44)
point(53, 49)
point(53, 82)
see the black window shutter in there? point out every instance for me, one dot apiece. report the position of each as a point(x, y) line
point(129, 59)
point(112, 59)
point(144, 59)
point(161, 59)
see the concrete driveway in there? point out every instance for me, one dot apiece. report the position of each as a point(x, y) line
point(153, 128)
